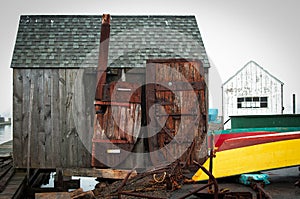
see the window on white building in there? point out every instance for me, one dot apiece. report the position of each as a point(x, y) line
point(252, 102)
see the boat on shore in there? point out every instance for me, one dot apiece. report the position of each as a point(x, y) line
point(221, 135)
point(247, 153)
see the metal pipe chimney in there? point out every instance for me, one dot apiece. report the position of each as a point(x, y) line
point(103, 56)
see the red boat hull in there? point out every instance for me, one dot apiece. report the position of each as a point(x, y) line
point(220, 138)
point(238, 142)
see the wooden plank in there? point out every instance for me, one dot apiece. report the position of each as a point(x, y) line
point(78, 117)
point(6, 151)
point(84, 87)
point(150, 96)
point(129, 126)
point(5, 163)
point(30, 121)
point(62, 123)
point(33, 115)
point(76, 192)
point(38, 118)
point(71, 140)
point(54, 195)
point(42, 150)
point(25, 116)
point(122, 122)
point(17, 116)
point(15, 186)
point(101, 173)
point(5, 169)
point(48, 119)
point(137, 113)
point(55, 118)
point(4, 180)
point(116, 119)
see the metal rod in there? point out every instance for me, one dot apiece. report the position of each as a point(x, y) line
point(211, 156)
point(294, 103)
point(196, 190)
point(227, 121)
point(282, 107)
point(138, 195)
point(125, 180)
point(261, 191)
point(213, 180)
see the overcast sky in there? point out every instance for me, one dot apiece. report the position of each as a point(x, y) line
point(234, 32)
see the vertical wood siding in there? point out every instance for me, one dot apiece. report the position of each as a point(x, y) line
point(55, 140)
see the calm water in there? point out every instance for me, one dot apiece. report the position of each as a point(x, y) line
point(5, 133)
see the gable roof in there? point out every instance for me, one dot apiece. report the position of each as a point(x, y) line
point(246, 65)
point(59, 41)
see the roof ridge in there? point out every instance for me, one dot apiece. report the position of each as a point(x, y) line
point(249, 62)
point(100, 15)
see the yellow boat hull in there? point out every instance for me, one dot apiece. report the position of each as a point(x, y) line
point(253, 158)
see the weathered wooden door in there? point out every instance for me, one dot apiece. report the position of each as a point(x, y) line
point(117, 124)
point(176, 110)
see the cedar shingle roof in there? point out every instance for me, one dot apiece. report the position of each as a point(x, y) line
point(61, 41)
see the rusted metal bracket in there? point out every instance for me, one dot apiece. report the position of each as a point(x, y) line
point(211, 182)
point(261, 193)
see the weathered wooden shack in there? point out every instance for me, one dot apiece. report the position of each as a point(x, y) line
point(252, 91)
point(55, 63)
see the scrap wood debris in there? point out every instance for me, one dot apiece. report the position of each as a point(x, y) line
point(156, 183)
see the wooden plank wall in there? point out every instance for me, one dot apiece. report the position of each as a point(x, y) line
point(61, 118)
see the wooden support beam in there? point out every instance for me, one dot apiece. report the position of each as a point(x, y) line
point(54, 195)
point(76, 192)
point(100, 173)
point(59, 182)
point(65, 195)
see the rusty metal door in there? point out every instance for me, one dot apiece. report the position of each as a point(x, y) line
point(176, 110)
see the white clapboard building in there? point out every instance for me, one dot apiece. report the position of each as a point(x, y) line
point(251, 91)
